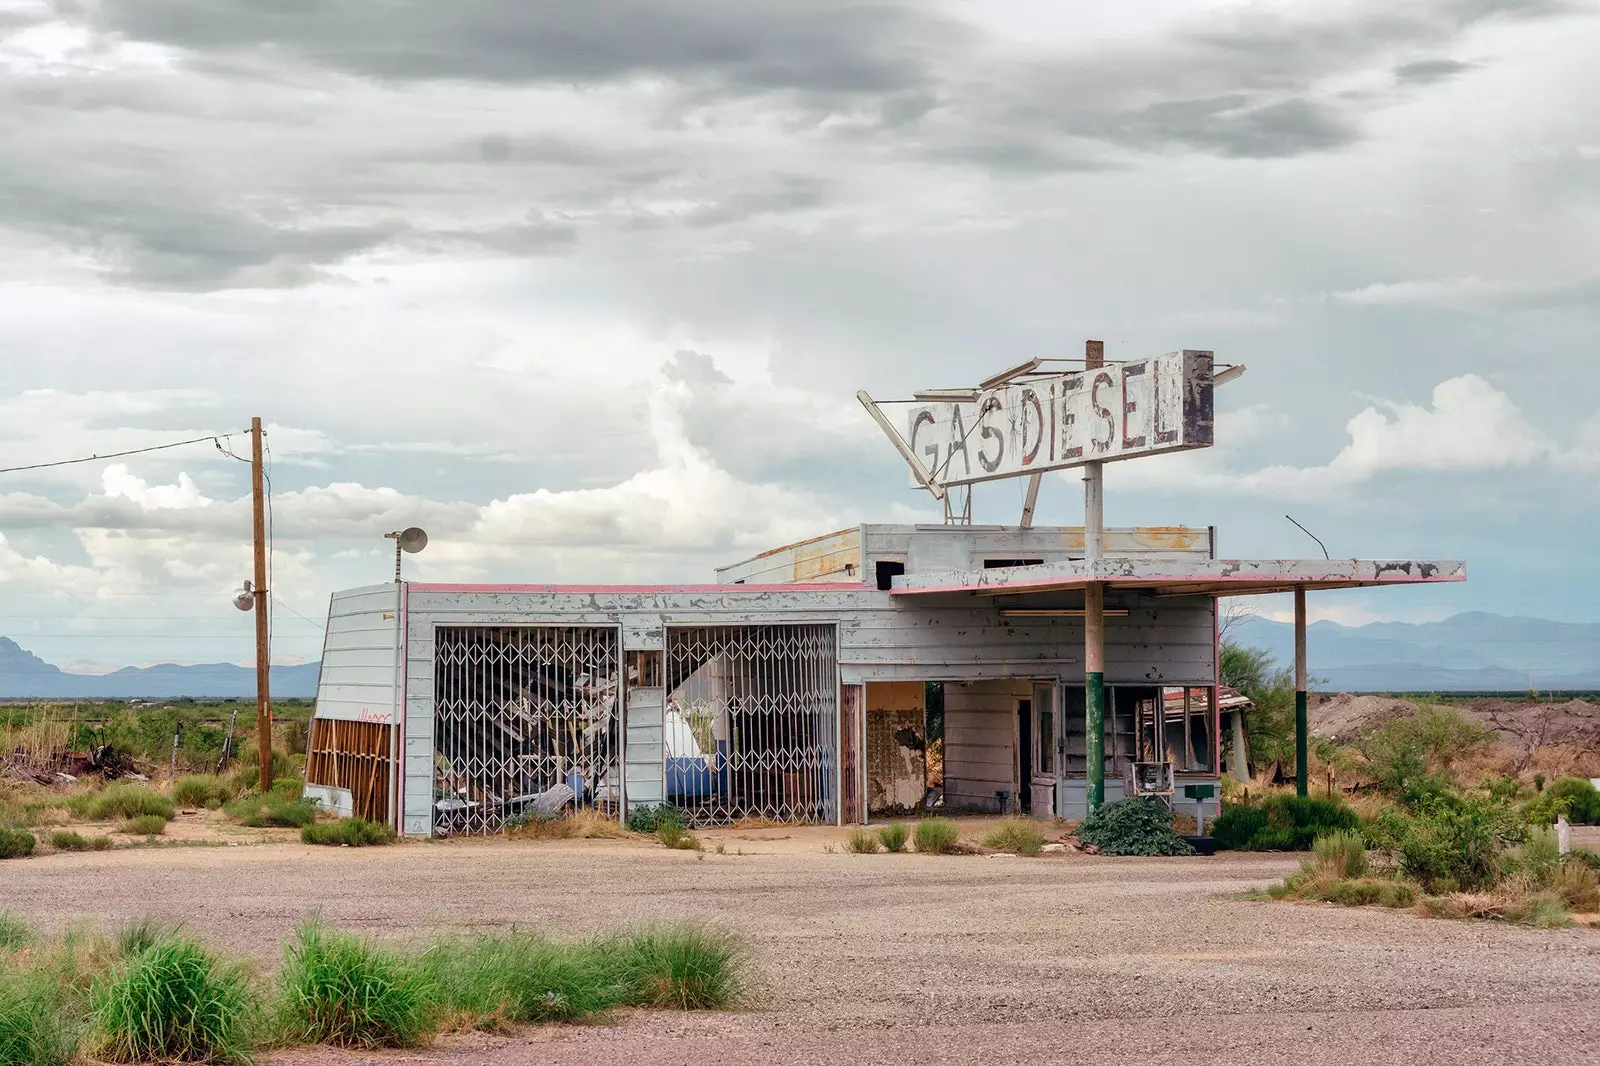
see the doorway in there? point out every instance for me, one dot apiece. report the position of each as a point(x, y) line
point(1025, 756)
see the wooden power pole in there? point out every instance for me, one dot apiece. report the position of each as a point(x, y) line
point(263, 653)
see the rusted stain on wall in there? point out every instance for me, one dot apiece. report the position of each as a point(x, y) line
point(896, 756)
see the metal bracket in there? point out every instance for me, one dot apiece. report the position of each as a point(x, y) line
point(922, 473)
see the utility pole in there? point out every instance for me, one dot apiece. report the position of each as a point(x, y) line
point(1094, 614)
point(260, 591)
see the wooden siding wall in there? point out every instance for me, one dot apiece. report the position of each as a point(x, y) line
point(980, 742)
point(881, 638)
point(352, 756)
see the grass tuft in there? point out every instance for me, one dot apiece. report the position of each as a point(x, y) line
point(15, 934)
point(937, 836)
point(861, 842)
point(1343, 854)
point(342, 990)
point(277, 808)
point(16, 843)
point(203, 790)
point(140, 934)
point(348, 832)
point(576, 825)
point(681, 967)
point(493, 981)
point(34, 1031)
point(71, 840)
point(893, 837)
point(122, 801)
point(676, 837)
point(144, 825)
point(173, 1001)
point(1021, 835)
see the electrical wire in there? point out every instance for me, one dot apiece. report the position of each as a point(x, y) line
point(294, 612)
point(215, 439)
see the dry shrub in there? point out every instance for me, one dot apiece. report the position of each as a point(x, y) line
point(861, 842)
point(579, 825)
point(1577, 887)
point(1508, 903)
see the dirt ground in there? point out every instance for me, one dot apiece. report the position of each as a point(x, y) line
point(904, 958)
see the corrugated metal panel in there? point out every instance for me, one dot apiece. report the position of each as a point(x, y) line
point(643, 770)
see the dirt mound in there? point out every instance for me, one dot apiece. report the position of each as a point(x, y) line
point(1548, 738)
point(1344, 717)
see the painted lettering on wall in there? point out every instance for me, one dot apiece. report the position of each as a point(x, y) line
point(1124, 410)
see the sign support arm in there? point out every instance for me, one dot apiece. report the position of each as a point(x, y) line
point(923, 474)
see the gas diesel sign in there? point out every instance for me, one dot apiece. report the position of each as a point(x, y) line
point(1057, 421)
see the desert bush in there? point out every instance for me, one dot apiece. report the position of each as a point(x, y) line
point(122, 801)
point(1411, 758)
point(145, 825)
point(1342, 853)
point(1542, 910)
point(202, 790)
point(1021, 835)
point(1585, 856)
point(861, 842)
point(341, 990)
point(1583, 800)
point(246, 776)
point(274, 809)
point(676, 837)
point(681, 967)
point(1538, 858)
point(71, 840)
point(1133, 826)
point(1545, 807)
point(1454, 844)
point(173, 1001)
point(348, 832)
point(16, 843)
point(893, 837)
point(1280, 822)
point(936, 836)
point(647, 818)
point(34, 1030)
point(1352, 892)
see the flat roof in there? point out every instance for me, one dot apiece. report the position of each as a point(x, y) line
point(1187, 577)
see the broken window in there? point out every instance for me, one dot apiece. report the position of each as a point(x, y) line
point(1044, 761)
point(1178, 728)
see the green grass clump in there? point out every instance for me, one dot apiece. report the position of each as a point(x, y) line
point(1281, 822)
point(1343, 854)
point(676, 837)
point(34, 1030)
point(679, 967)
point(1133, 826)
point(16, 843)
point(492, 981)
point(937, 836)
point(348, 832)
point(122, 801)
point(342, 990)
point(203, 790)
point(15, 934)
point(139, 934)
point(894, 837)
point(648, 817)
point(861, 842)
point(71, 840)
point(144, 825)
point(1020, 835)
point(173, 1001)
point(274, 809)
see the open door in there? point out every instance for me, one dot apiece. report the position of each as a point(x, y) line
point(1044, 746)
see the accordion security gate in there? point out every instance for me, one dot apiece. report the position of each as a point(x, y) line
point(751, 723)
point(526, 720)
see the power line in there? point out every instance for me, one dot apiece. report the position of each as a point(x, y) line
point(292, 611)
point(214, 439)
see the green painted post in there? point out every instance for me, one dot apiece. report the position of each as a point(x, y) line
point(1300, 725)
point(1094, 702)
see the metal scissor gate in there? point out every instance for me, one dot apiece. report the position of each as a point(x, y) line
point(526, 720)
point(750, 727)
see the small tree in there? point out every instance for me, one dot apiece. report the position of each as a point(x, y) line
point(1270, 689)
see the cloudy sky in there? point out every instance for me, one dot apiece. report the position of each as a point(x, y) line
point(587, 289)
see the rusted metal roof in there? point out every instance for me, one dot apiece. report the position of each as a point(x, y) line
point(1187, 577)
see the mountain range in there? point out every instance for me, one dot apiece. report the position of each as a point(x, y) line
point(24, 675)
point(1472, 652)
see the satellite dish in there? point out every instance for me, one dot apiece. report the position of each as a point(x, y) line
point(244, 599)
point(413, 540)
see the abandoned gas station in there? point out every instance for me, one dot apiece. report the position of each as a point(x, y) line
point(1075, 664)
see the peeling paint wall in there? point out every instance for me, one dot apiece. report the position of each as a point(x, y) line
point(980, 742)
point(897, 734)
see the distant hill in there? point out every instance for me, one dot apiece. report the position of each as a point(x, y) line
point(1469, 652)
point(24, 675)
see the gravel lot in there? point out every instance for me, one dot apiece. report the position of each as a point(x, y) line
point(901, 958)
